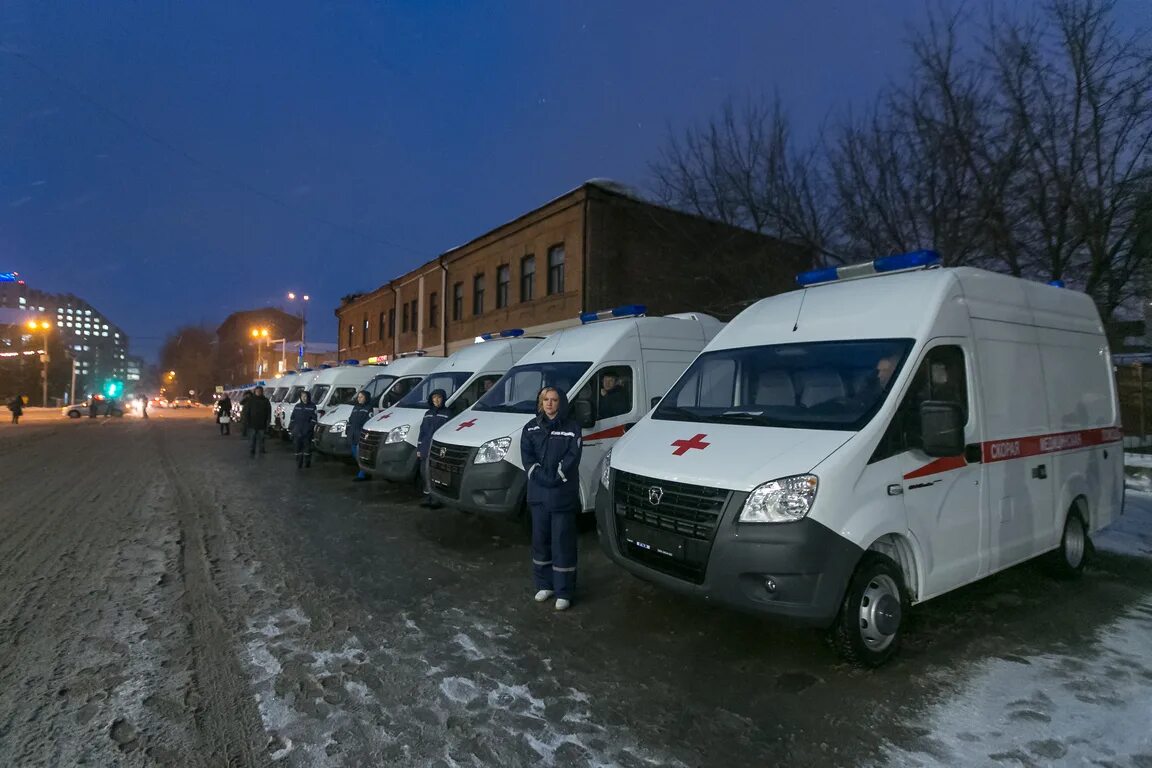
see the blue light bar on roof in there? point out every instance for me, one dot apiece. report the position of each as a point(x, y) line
point(349, 362)
point(628, 310)
point(1056, 283)
point(510, 333)
point(895, 263)
point(8, 277)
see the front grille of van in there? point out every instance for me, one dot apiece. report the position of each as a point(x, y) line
point(690, 513)
point(448, 460)
point(369, 444)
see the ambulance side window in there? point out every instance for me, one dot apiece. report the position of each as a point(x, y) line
point(940, 377)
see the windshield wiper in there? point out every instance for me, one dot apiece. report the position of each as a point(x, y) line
point(670, 411)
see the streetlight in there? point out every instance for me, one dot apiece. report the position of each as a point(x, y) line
point(260, 334)
point(303, 323)
point(43, 326)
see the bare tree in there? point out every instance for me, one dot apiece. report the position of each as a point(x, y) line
point(745, 169)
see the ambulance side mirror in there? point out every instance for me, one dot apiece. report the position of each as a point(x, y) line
point(942, 428)
point(582, 412)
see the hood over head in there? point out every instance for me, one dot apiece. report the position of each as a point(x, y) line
point(443, 398)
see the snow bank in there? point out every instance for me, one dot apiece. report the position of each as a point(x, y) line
point(1052, 709)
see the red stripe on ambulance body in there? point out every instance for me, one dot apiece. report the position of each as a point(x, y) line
point(606, 433)
point(1022, 447)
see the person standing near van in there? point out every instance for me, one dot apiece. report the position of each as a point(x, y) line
point(302, 427)
point(550, 449)
point(244, 398)
point(93, 406)
point(257, 416)
point(361, 412)
point(224, 415)
point(435, 417)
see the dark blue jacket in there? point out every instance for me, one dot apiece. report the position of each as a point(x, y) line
point(356, 420)
point(550, 450)
point(303, 422)
point(433, 420)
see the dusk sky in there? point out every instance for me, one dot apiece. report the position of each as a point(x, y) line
point(172, 163)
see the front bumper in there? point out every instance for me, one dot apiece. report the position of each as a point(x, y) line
point(496, 488)
point(331, 443)
point(395, 462)
point(798, 571)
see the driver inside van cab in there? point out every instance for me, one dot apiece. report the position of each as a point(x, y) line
point(614, 399)
point(885, 367)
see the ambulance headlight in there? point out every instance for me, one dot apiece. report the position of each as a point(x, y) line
point(493, 451)
point(780, 501)
point(340, 427)
point(397, 434)
point(606, 469)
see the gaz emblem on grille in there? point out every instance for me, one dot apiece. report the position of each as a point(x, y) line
point(443, 451)
point(655, 494)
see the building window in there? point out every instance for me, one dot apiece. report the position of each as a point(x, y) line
point(527, 278)
point(392, 323)
point(380, 337)
point(556, 269)
point(478, 294)
point(404, 318)
point(433, 309)
point(351, 332)
point(415, 316)
point(503, 280)
point(457, 301)
point(365, 328)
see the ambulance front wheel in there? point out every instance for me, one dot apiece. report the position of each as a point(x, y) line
point(1069, 558)
point(870, 626)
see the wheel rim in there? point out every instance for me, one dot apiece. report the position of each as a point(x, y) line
point(880, 612)
point(1073, 542)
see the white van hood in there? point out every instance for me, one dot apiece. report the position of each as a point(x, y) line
point(474, 428)
point(735, 457)
point(336, 413)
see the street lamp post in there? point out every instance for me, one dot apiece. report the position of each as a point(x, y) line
point(303, 324)
point(261, 335)
point(43, 326)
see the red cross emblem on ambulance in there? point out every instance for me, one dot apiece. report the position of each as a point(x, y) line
point(469, 423)
point(683, 446)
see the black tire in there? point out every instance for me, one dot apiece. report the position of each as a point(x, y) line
point(73, 414)
point(870, 626)
point(1067, 561)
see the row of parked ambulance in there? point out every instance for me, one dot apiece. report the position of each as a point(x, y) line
point(832, 455)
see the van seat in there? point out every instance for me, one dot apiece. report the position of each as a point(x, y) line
point(819, 386)
point(775, 388)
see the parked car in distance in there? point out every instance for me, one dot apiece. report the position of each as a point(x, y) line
point(180, 402)
point(103, 408)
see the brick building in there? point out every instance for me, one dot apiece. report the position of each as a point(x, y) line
point(595, 247)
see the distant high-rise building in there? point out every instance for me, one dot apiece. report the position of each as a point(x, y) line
point(99, 347)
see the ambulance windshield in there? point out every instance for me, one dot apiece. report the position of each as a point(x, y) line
point(449, 381)
point(517, 391)
point(819, 385)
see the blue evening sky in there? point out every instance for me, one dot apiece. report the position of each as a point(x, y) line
point(174, 162)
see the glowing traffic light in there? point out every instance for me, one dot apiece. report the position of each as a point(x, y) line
point(113, 388)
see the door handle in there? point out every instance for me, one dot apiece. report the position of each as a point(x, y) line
point(1040, 472)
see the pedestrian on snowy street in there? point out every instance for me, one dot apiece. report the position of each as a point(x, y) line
point(302, 427)
point(436, 416)
point(224, 415)
point(550, 449)
point(361, 412)
point(16, 405)
point(257, 417)
point(93, 406)
point(244, 398)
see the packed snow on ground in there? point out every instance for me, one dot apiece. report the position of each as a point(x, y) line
point(1086, 707)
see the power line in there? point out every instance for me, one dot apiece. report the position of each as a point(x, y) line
point(196, 162)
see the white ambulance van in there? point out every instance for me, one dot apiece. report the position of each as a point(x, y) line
point(282, 411)
point(389, 384)
point(611, 367)
point(339, 384)
point(843, 451)
point(388, 445)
